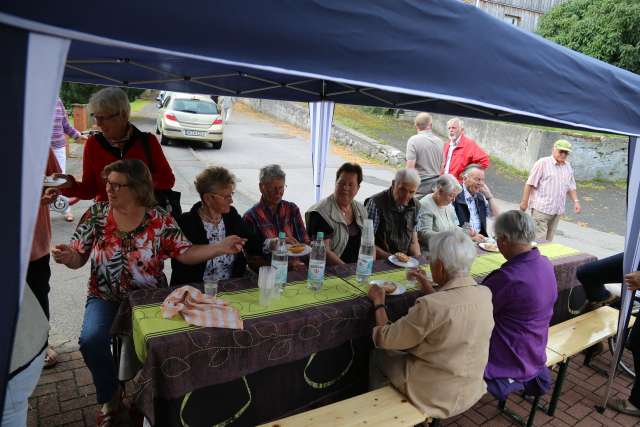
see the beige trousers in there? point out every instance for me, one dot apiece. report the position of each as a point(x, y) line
point(545, 225)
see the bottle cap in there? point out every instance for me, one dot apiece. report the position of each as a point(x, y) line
point(320, 235)
point(282, 235)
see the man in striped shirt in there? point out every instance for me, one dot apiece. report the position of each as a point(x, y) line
point(546, 190)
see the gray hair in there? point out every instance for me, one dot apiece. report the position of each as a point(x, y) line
point(456, 120)
point(447, 183)
point(470, 168)
point(515, 226)
point(271, 172)
point(455, 250)
point(407, 175)
point(110, 100)
point(422, 121)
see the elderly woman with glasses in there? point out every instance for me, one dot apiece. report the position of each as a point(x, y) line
point(118, 139)
point(127, 240)
point(340, 217)
point(436, 209)
point(211, 220)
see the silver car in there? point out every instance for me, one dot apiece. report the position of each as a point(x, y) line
point(188, 117)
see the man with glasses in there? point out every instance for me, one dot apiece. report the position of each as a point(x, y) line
point(272, 215)
point(545, 191)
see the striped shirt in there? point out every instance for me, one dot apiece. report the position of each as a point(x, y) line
point(550, 181)
point(61, 126)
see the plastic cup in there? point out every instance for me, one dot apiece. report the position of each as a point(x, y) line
point(211, 288)
point(409, 278)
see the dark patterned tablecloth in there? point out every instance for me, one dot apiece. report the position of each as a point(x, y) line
point(179, 363)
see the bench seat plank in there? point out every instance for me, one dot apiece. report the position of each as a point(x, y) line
point(382, 407)
point(554, 358)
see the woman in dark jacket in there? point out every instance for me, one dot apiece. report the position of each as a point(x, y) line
point(210, 221)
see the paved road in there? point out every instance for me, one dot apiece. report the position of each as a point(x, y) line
point(251, 141)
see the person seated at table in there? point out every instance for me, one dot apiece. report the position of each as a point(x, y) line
point(436, 354)
point(436, 211)
point(394, 212)
point(210, 221)
point(272, 215)
point(524, 291)
point(474, 203)
point(340, 217)
point(127, 240)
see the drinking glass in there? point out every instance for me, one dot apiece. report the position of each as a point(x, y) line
point(211, 287)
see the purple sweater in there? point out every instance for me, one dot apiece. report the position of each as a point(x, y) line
point(61, 127)
point(524, 291)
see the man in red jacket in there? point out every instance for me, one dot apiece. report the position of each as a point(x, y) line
point(461, 151)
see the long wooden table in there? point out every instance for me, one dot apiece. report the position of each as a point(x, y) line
point(304, 349)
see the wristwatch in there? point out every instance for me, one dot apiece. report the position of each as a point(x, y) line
point(377, 306)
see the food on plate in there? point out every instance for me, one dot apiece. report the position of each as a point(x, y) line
point(296, 249)
point(490, 246)
point(401, 257)
point(389, 287)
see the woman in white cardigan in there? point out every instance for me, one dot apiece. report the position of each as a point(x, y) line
point(436, 211)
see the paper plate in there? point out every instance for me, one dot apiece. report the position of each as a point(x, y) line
point(306, 251)
point(53, 182)
point(409, 264)
point(399, 288)
point(489, 247)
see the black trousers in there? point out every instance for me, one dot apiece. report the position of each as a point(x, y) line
point(595, 274)
point(38, 275)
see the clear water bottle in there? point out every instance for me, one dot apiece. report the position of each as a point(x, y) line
point(364, 267)
point(317, 262)
point(280, 261)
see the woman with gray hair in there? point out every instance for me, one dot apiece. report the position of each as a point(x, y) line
point(436, 210)
point(442, 344)
point(118, 140)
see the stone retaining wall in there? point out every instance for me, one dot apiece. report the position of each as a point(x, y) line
point(517, 146)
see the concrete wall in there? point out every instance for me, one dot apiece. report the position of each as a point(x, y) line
point(518, 146)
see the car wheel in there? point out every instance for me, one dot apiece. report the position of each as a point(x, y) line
point(216, 145)
point(164, 140)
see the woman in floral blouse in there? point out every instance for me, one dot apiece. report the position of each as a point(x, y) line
point(127, 240)
point(210, 221)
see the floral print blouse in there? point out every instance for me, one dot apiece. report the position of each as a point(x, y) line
point(218, 268)
point(125, 261)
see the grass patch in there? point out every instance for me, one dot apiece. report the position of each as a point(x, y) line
point(506, 169)
point(573, 132)
point(138, 104)
point(382, 128)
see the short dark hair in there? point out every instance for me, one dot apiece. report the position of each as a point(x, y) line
point(350, 168)
point(138, 179)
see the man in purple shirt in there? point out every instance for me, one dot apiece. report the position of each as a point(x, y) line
point(524, 291)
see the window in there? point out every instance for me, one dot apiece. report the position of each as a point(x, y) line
point(512, 19)
point(195, 106)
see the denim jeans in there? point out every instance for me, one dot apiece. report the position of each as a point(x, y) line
point(595, 274)
point(95, 347)
point(19, 388)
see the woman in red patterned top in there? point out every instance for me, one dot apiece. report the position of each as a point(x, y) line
point(127, 240)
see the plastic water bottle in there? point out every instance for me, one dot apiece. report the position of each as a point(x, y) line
point(364, 267)
point(280, 261)
point(317, 262)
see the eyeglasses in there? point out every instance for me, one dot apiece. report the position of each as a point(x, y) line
point(277, 189)
point(115, 186)
point(228, 197)
point(563, 152)
point(103, 118)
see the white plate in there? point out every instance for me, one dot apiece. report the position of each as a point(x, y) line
point(409, 264)
point(53, 182)
point(399, 288)
point(307, 250)
point(486, 247)
point(534, 244)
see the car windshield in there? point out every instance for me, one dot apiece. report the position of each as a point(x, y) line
point(194, 106)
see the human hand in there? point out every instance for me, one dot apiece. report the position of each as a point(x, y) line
point(290, 240)
point(477, 237)
point(81, 139)
point(49, 195)
point(297, 265)
point(576, 207)
point(63, 254)
point(232, 244)
point(376, 294)
point(485, 190)
point(633, 280)
point(523, 206)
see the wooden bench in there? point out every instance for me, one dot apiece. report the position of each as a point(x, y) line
point(381, 407)
point(575, 335)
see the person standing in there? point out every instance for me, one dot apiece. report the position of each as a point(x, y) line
point(424, 153)
point(545, 191)
point(62, 127)
point(461, 151)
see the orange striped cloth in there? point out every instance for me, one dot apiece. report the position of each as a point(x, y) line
point(200, 310)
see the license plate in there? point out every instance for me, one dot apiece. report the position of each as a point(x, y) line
point(194, 133)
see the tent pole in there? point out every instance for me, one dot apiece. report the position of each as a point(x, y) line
point(320, 123)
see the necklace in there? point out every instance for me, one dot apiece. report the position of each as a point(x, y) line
point(205, 216)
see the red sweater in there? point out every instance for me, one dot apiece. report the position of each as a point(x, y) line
point(96, 156)
point(465, 153)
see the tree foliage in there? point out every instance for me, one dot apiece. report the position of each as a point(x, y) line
point(605, 29)
point(77, 93)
